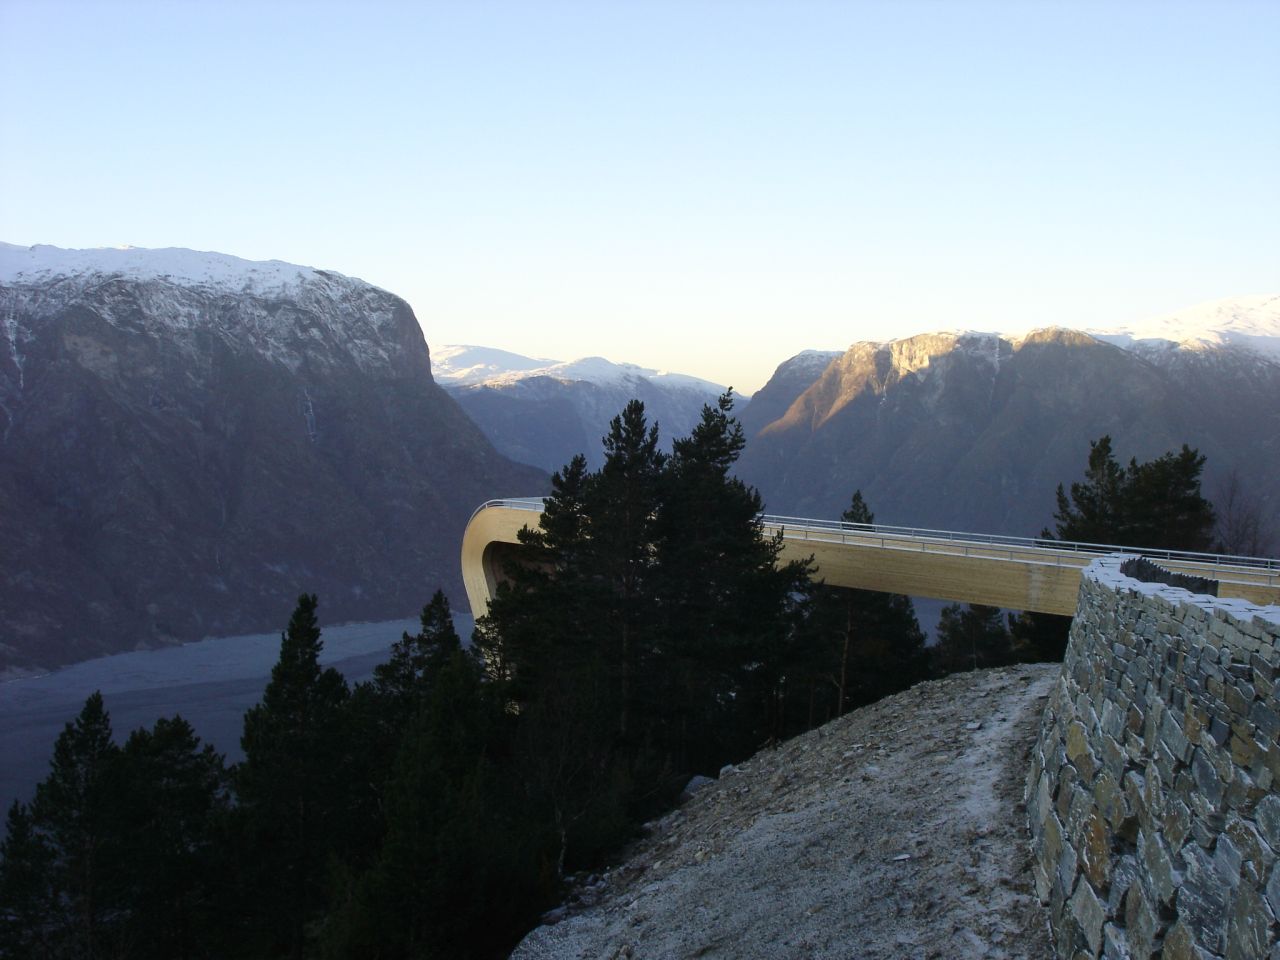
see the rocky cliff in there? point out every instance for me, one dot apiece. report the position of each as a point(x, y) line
point(191, 440)
point(975, 431)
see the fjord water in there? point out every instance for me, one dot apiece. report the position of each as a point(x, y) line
point(211, 684)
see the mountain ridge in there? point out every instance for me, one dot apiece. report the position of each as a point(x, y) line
point(182, 460)
point(975, 431)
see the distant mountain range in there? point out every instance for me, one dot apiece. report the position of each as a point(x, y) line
point(190, 440)
point(975, 431)
point(543, 412)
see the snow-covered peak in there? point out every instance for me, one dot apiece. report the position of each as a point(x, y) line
point(470, 365)
point(811, 360)
point(177, 295)
point(1247, 322)
point(190, 268)
point(464, 364)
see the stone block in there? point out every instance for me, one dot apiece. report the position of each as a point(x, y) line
point(1158, 875)
point(1180, 944)
point(1124, 873)
point(1201, 900)
point(1219, 731)
point(1235, 698)
point(1095, 852)
point(1177, 824)
point(1243, 752)
point(1249, 926)
point(1079, 752)
point(1272, 890)
point(1142, 923)
point(1115, 945)
point(1265, 719)
point(1227, 861)
point(1068, 866)
point(1242, 792)
point(1133, 719)
point(1206, 777)
point(1109, 799)
point(1267, 817)
point(1114, 758)
point(1051, 841)
point(1089, 913)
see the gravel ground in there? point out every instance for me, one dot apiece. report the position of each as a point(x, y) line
point(897, 831)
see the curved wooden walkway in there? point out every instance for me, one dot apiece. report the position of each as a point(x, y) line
point(1010, 572)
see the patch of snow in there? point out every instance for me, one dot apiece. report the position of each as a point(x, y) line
point(811, 360)
point(470, 365)
point(464, 364)
point(176, 293)
point(1251, 322)
point(191, 268)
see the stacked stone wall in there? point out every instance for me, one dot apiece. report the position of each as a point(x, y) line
point(1153, 791)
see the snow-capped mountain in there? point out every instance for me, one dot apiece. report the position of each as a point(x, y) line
point(348, 320)
point(975, 431)
point(189, 440)
point(1251, 323)
point(543, 412)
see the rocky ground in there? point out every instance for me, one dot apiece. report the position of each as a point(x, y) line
point(897, 831)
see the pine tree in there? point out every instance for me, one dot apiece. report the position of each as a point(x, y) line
point(294, 784)
point(1156, 504)
point(867, 644)
point(622, 501)
point(972, 637)
point(461, 871)
point(77, 813)
point(1094, 513)
point(175, 796)
point(1164, 507)
point(29, 916)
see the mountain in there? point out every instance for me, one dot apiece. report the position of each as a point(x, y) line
point(190, 440)
point(975, 431)
point(792, 378)
point(543, 412)
point(1250, 323)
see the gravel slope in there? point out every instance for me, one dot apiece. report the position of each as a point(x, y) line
point(897, 831)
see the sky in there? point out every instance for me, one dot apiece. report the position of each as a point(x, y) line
point(701, 186)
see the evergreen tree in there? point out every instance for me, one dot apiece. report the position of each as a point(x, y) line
point(1157, 504)
point(623, 501)
point(721, 599)
point(294, 786)
point(868, 644)
point(29, 915)
point(77, 813)
point(1095, 511)
point(462, 871)
point(971, 637)
point(175, 796)
point(417, 658)
point(1164, 506)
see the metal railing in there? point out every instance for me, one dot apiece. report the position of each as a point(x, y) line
point(928, 540)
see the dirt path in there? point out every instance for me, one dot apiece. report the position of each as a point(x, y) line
point(897, 831)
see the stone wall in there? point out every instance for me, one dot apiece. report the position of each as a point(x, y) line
point(1153, 790)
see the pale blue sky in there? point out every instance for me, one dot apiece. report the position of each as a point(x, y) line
point(707, 187)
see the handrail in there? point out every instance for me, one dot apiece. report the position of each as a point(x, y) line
point(1060, 546)
point(798, 528)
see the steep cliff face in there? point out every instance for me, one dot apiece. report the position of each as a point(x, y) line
point(190, 440)
point(975, 431)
